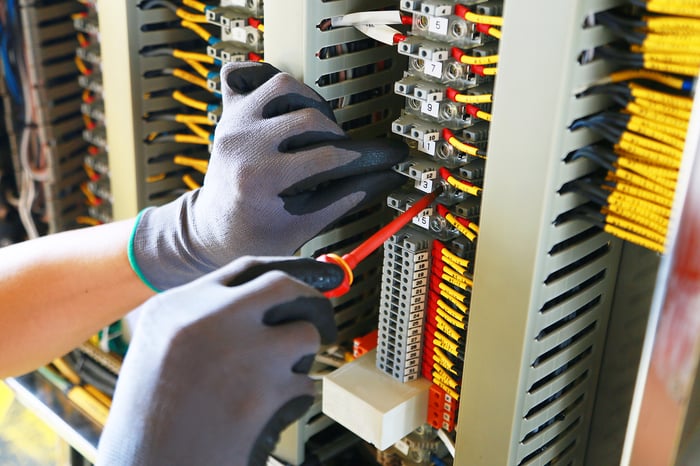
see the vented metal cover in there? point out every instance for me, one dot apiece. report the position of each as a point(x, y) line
point(543, 289)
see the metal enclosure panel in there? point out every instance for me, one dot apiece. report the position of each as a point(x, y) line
point(542, 293)
point(119, 72)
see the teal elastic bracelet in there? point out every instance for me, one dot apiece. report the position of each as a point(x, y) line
point(132, 257)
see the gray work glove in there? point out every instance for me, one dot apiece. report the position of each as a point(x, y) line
point(217, 368)
point(281, 171)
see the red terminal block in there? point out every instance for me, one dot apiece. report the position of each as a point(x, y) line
point(442, 409)
point(364, 344)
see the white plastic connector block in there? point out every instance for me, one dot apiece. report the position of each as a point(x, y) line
point(371, 404)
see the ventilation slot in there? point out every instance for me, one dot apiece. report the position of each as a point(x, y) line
point(563, 345)
point(561, 370)
point(558, 418)
point(578, 238)
point(558, 325)
point(581, 287)
point(532, 457)
point(580, 263)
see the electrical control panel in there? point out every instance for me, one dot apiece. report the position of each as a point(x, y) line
point(503, 323)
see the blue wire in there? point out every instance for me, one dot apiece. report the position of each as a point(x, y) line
point(11, 81)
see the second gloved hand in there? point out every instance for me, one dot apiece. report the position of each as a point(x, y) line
point(281, 171)
point(217, 368)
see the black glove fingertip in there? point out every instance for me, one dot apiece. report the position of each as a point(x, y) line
point(317, 311)
point(303, 365)
point(248, 77)
point(320, 275)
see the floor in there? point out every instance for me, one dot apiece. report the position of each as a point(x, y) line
point(24, 439)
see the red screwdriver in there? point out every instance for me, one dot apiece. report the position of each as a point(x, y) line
point(349, 261)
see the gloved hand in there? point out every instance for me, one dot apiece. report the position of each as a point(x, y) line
point(216, 368)
point(281, 170)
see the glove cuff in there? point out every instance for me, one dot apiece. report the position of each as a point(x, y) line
point(133, 262)
point(163, 250)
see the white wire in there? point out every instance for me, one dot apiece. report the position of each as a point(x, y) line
point(447, 441)
point(379, 32)
point(367, 17)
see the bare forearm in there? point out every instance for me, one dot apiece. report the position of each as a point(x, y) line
point(59, 290)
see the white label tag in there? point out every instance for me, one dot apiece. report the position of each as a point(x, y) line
point(425, 185)
point(428, 137)
point(427, 147)
point(438, 26)
point(238, 34)
point(433, 68)
point(422, 221)
point(430, 108)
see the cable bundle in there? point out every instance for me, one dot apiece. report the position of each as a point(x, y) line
point(642, 138)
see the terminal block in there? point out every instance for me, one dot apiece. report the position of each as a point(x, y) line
point(402, 303)
point(98, 162)
point(248, 36)
point(453, 30)
point(228, 52)
point(227, 17)
point(418, 47)
point(251, 7)
point(94, 110)
point(90, 54)
point(87, 24)
point(449, 71)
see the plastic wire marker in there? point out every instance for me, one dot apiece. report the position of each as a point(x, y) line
point(349, 261)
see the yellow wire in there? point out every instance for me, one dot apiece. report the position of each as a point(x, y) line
point(199, 68)
point(652, 172)
point(629, 189)
point(195, 5)
point(190, 78)
point(626, 75)
point(671, 67)
point(485, 60)
point(454, 266)
point(659, 118)
point(616, 198)
point(643, 182)
point(490, 71)
point(484, 19)
point(466, 148)
point(634, 238)
point(189, 101)
point(447, 329)
point(461, 186)
point(455, 258)
point(474, 99)
point(451, 320)
point(198, 164)
point(194, 56)
point(197, 29)
point(469, 234)
point(454, 313)
point(664, 24)
point(190, 139)
point(198, 130)
point(455, 294)
point(650, 144)
point(196, 119)
point(673, 8)
point(495, 32)
point(628, 225)
point(648, 220)
point(190, 182)
point(192, 17)
point(643, 127)
point(80, 64)
point(676, 101)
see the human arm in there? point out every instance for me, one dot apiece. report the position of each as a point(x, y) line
point(60, 289)
point(281, 171)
